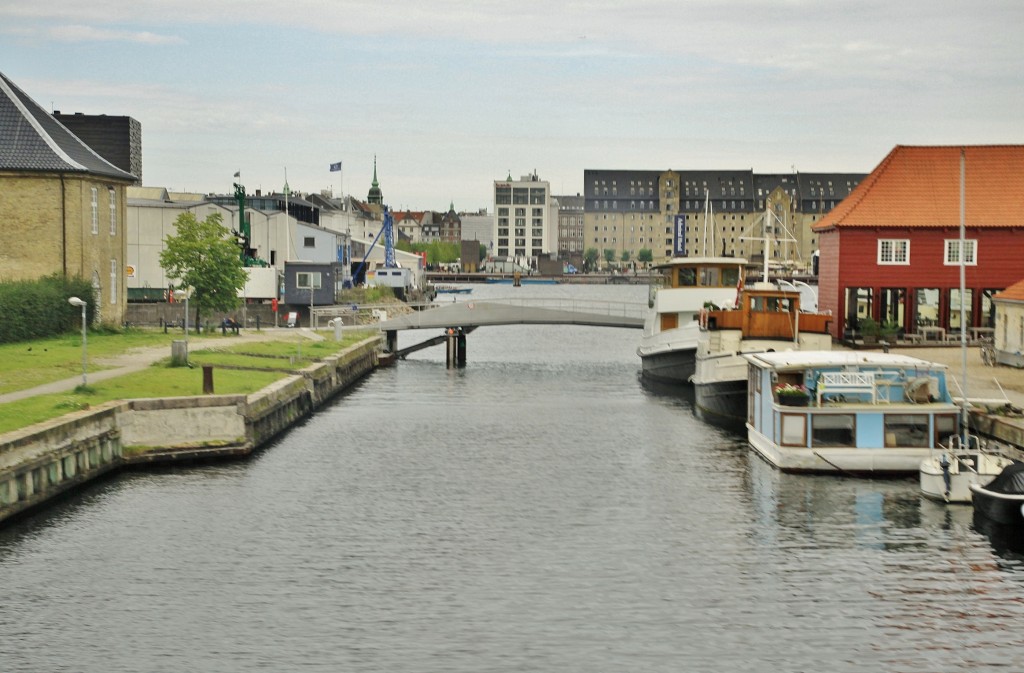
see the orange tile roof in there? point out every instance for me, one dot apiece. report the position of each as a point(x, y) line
point(1013, 293)
point(920, 187)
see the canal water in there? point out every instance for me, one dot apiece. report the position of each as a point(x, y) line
point(540, 510)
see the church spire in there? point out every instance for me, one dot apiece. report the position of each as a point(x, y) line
point(375, 195)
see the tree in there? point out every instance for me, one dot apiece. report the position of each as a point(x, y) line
point(590, 259)
point(204, 257)
point(645, 255)
point(625, 256)
point(609, 256)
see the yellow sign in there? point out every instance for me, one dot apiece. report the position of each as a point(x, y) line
point(129, 271)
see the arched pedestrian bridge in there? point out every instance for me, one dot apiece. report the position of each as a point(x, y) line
point(468, 315)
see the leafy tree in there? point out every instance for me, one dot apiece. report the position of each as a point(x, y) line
point(590, 259)
point(609, 256)
point(204, 257)
point(625, 255)
point(645, 255)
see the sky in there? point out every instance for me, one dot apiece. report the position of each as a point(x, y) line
point(450, 95)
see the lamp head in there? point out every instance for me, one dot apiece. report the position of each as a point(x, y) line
point(75, 301)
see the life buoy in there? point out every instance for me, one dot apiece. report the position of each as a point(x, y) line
point(470, 305)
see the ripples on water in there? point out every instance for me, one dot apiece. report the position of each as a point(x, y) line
point(540, 510)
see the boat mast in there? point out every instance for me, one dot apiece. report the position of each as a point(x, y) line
point(767, 243)
point(708, 211)
point(963, 292)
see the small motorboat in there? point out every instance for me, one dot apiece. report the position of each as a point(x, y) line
point(452, 289)
point(947, 474)
point(1002, 498)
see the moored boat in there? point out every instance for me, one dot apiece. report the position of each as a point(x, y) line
point(668, 345)
point(947, 474)
point(847, 412)
point(452, 289)
point(766, 319)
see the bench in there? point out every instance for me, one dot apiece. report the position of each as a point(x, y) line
point(837, 383)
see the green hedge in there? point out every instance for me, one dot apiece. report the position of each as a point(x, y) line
point(33, 309)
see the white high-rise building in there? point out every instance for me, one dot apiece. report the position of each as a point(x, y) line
point(525, 219)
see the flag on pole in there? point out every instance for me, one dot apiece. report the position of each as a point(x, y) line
point(336, 167)
point(238, 174)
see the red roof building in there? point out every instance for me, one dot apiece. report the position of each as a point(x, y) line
point(891, 249)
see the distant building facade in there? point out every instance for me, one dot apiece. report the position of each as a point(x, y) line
point(698, 212)
point(525, 219)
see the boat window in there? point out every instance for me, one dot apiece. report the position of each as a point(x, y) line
point(794, 429)
point(833, 430)
point(730, 276)
point(906, 430)
point(711, 276)
point(945, 427)
point(687, 277)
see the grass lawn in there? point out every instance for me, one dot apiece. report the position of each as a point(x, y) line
point(29, 364)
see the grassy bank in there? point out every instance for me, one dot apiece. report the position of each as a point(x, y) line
point(239, 368)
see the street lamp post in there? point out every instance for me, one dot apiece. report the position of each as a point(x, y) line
point(75, 301)
point(179, 295)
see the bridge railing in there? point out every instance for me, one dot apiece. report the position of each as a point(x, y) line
point(624, 309)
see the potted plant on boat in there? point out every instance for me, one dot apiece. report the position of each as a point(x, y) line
point(792, 394)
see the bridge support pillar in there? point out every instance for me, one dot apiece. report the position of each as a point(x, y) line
point(455, 347)
point(391, 341)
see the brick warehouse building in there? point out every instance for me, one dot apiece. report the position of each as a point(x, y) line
point(891, 249)
point(62, 206)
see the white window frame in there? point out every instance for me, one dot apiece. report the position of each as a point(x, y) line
point(113, 210)
point(310, 276)
point(113, 281)
point(95, 211)
point(894, 251)
point(951, 252)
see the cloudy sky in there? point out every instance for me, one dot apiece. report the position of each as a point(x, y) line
point(451, 95)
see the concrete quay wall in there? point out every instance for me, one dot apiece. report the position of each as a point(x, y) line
point(42, 461)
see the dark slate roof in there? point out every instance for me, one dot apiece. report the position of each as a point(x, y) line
point(32, 140)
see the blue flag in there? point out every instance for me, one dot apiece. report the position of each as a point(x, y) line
point(336, 167)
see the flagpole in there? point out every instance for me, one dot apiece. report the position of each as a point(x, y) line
point(287, 220)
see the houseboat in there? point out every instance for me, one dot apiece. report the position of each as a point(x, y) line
point(847, 412)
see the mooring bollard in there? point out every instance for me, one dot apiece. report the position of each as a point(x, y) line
point(207, 379)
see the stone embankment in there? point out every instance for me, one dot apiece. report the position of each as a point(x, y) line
point(42, 461)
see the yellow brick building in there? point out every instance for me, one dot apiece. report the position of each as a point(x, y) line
point(62, 206)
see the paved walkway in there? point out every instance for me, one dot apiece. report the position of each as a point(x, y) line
point(141, 358)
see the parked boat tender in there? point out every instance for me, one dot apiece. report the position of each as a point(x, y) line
point(866, 413)
point(947, 474)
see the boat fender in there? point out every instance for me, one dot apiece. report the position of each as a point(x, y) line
point(702, 318)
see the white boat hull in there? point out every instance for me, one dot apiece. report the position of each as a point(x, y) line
point(965, 469)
